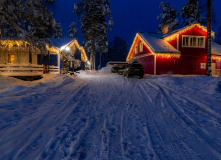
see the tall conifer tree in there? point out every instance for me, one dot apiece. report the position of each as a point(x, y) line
point(95, 16)
point(168, 17)
point(57, 30)
point(30, 20)
point(73, 30)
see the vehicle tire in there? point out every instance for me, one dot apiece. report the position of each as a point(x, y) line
point(141, 76)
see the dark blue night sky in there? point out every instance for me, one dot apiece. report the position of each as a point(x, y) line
point(130, 16)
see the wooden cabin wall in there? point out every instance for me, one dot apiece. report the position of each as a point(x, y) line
point(21, 55)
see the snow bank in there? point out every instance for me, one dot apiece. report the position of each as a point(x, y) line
point(15, 88)
point(106, 69)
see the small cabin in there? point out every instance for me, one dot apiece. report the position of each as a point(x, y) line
point(18, 58)
point(73, 56)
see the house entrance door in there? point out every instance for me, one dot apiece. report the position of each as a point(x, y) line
point(213, 68)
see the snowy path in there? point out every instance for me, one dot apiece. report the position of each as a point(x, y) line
point(106, 116)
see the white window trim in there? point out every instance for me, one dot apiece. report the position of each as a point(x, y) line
point(136, 49)
point(190, 36)
point(141, 47)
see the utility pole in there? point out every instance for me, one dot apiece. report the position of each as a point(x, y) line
point(209, 39)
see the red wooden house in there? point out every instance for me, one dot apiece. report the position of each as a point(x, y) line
point(183, 51)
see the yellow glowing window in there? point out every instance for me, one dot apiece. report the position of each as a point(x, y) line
point(200, 42)
point(141, 47)
point(12, 59)
point(194, 41)
point(136, 49)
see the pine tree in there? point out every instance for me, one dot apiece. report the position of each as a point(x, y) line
point(117, 50)
point(57, 30)
point(191, 14)
point(29, 20)
point(168, 17)
point(73, 30)
point(95, 16)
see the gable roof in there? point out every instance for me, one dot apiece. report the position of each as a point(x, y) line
point(158, 45)
point(204, 28)
point(216, 49)
point(60, 42)
point(68, 42)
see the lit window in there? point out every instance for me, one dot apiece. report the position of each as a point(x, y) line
point(194, 41)
point(200, 42)
point(141, 47)
point(136, 49)
point(185, 41)
point(12, 59)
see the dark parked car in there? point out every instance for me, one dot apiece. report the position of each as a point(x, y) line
point(121, 69)
point(133, 69)
point(117, 66)
point(115, 69)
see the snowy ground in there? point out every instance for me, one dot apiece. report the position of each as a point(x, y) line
point(104, 116)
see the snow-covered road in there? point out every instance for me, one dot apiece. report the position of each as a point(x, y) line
point(99, 116)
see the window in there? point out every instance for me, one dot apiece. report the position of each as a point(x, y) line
point(194, 41)
point(185, 41)
point(141, 47)
point(200, 42)
point(136, 49)
point(202, 65)
point(12, 59)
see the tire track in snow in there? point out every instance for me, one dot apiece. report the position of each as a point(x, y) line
point(50, 115)
point(211, 141)
point(63, 136)
point(78, 147)
point(158, 143)
point(34, 100)
point(178, 116)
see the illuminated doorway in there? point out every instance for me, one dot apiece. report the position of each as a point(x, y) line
point(11, 59)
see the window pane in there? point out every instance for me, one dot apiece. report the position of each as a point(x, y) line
point(186, 41)
point(136, 49)
point(193, 41)
point(141, 47)
point(200, 42)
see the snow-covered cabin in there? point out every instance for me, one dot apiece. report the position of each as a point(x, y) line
point(183, 51)
point(71, 49)
point(21, 59)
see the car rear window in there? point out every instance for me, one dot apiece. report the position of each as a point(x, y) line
point(136, 65)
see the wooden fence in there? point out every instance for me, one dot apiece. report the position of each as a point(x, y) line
point(21, 69)
point(54, 70)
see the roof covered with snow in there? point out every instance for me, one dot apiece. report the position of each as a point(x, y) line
point(191, 25)
point(157, 44)
point(60, 42)
point(216, 49)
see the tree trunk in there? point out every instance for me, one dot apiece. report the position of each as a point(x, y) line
point(209, 39)
point(92, 56)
